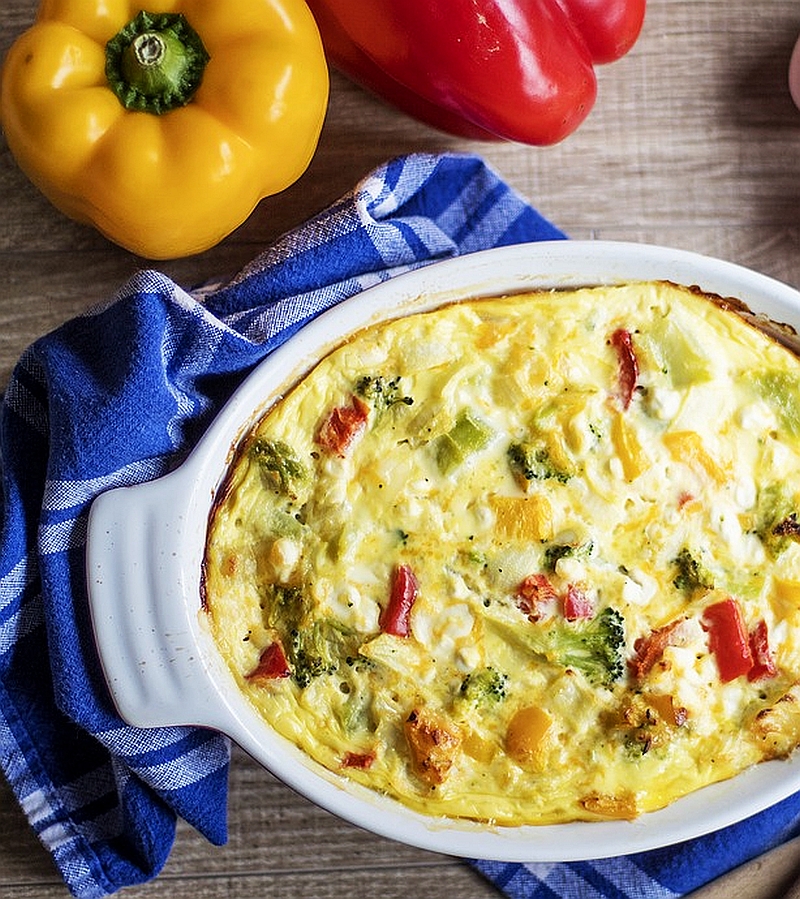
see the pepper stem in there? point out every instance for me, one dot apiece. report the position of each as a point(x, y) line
point(155, 63)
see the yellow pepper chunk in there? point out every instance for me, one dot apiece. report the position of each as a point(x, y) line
point(527, 736)
point(788, 591)
point(623, 807)
point(687, 446)
point(523, 517)
point(629, 450)
point(164, 128)
point(478, 748)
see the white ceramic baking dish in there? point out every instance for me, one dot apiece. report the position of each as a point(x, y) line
point(145, 549)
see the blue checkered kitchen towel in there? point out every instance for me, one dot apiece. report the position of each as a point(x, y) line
point(119, 395)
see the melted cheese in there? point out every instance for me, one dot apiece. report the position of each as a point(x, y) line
point(487, 446)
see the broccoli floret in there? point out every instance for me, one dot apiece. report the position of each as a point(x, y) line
point(556, 551)
point(283, 607)
point(593, 646)
point(483, 687)
point(382, 393)
point(280, 465)
point(314, 651)
point(533, 461)
point(692, 574)
point(319, 648)
point(355, 713)
point(313, 646)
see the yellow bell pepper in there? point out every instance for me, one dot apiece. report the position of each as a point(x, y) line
point(164, 129)
point(527, 737)
point(687, 446)
point(523, 517)
point(629, 449)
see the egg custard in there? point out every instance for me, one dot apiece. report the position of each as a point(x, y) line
point(525, 560)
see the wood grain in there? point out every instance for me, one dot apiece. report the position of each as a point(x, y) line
point(694, 143)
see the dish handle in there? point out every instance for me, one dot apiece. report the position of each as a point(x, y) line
point(143, 579)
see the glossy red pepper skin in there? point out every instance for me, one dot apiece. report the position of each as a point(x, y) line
point(728, 639)
point(763, 660)
point(272, 664)
point(396, 617)
point(622, 342)
point(491, 69)
point(342, 426)
point(577, 604)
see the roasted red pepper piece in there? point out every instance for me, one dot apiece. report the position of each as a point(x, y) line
point(650, 649)
point(507, 69)
point(763, 660)
point(362, 760)
point(728, 639)
point(396, 617)
point(272, 664)
point(622, 342)
point(342, 425)
point(533, 593)
point(577, 604)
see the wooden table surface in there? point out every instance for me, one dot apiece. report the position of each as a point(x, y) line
point(693, 143)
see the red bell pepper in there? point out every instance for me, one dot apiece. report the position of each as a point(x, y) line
point(361, 760)
point(272, 664)
point(577, 605)
point(518, 70)
point(628, 375)
point(728, 639)
point(650, 649)
point(534, 593)
point(396, 617)
point(342, 425)
point(763, 660)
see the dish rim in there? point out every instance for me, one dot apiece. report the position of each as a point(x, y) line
point(146, 542)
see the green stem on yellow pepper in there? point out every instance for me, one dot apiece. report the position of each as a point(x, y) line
point(155, 63)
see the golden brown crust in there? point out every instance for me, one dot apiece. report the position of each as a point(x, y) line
point(433, 745)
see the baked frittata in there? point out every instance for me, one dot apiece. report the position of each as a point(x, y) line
point(527, 559)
